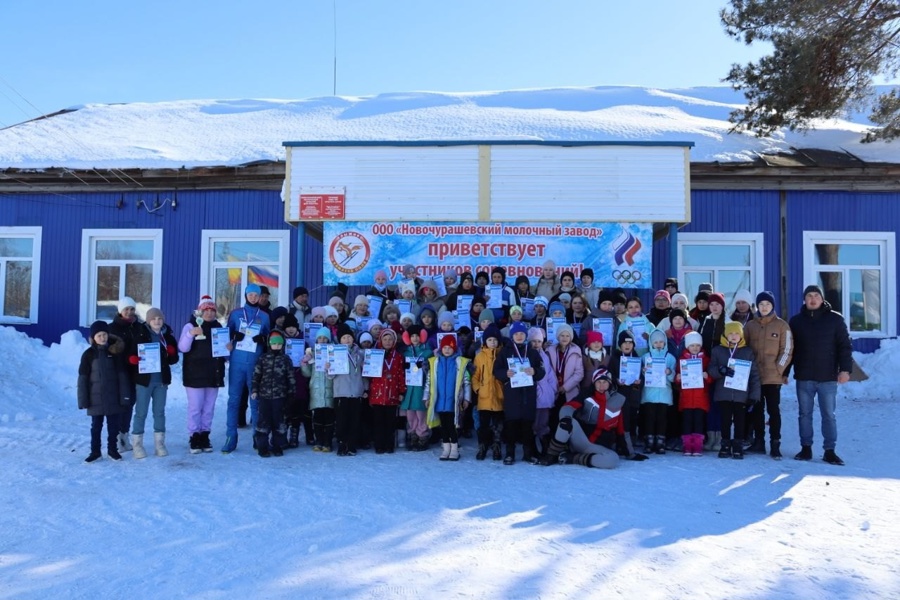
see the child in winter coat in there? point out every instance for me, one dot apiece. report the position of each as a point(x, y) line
point(296, 412)
point(631, 390)
point(588, 290)
point(732, 393)
point(348, 389)
point(656, 400)
point(637, 323)
point(593, 357)
point(273, 384)
point(321, 395)
point(541, 304)
point(155, 338)
point(103, 388)
point(385, 394)
point(568, 367)
point(712, 328)
point(693, 402)
point(448, 391)
point(547, 389)
point(489, 394)
point(415, 359)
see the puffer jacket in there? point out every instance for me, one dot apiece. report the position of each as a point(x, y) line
point(103, 385)
point(547, 387)
point(321, 387)
point(388, 389)
point(822, 344)
point(413, 399)
point(488, 389)
point(462, 389)
point(200, 368)
point(273, 376)
point(772, 342)
point(168, 349)
point(720, 357)
point(353, 384)
point(568, 368)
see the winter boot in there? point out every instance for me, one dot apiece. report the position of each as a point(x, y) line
point(495, 451)
point(717, 441)
point(126, 440)
point(261, 441)
point(833, 459)
point(510, 458)
point(710, 438)
point(482, 452)
point(660, 447)
point(205, 444)
point(230, 444)
point(120, 442)
point(687, 444)
point(649, 444)
point(554, 451)
point(698, 444)
point(758, 446)
point(294, 437)
point(93, 456)
point(737, 449)
point(775, 449)
point(194, 443)
point(137, 442)
point(804, 454)
point(159, 440)
point(276, 450)
point(445, 450)
point(113, 452)
point(725, 449)
point(529, 454)
point(454, 452)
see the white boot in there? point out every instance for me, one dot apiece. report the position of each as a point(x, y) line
point(445, 454)
point(454, 452)
point(159, 438)
point(137, 443)
point(126, 441)
point(120, 442)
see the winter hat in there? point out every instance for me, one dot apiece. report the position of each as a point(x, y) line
point(663, 294)
point(467, 275)
point(536, 333)
point(486, 315)
point(448, 340)
point(813, 289)
point(589, 272)
point(657, 334)
point(409, 286)
point(516, 308)
point(619, 296)
point(290, 321)
point(564, 297)
point(361, 300)
point(99, 327)
point(549, 265)
point(387, 332)
point(705, 287)
point(381, 273)
point(373, 324)
point(155, 312)
point(276, 337)
point(567, 274)
point(733, 327)
point(318, 311)
point(353, 325)
point(342, 330)
point(556, 305)
point(451, 273)
point(409, 270)
point(300, 291)
point(677, 312)
point(743, 295)
point(264, 290)
point(492, 331)
point(671, 281)
point(277, 313)
point(599, 374)
point(323, 332)
point(128, 301)
point(625, 336)
point(408, 315)
point(518, 327)
point(365, 336)
point(766, 297)
point(251, 289)
point(446, 317)
point(414, 330)
point(336, 300)
point(428, 284)
point(500, 270)
point(522, 279)
point(428, 309)
point(717, 298)
point(604, 296)
point(391, 309)
point(565, 327)
point(679, 296)
point(330, 311)
point(693, 338)
point(482, 275)
point(205, 303)
point(479, 300)
point(593, 336)
point(704, 295)
point(541, 301)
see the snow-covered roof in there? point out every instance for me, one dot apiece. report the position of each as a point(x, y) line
point(193, 133)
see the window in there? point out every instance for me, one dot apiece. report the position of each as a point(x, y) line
point(731, 262)
point(230, 260)
point(118, 263)
point(853, 270)
point(20, 273)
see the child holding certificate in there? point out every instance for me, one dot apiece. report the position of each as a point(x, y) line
point(733, 367)
point(448, 391)
point(385, 394)
point(348, 389)
point(297, 412)
point(321, 395)
point(489, 394)
point(625, 369)
point(694, 380)
point(638, 324)
point(659, 373)
point(415, 357)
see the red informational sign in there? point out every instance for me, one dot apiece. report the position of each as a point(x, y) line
point(322, 206)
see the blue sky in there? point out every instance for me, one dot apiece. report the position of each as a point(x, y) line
point(58, 54)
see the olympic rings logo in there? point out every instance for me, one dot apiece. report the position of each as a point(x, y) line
point(625, 276)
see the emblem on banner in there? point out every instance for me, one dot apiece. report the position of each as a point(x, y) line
point(349, 252)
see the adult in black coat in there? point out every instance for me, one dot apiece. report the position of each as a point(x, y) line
point(822, 359)
point(103, 387)
point(125, 326)
point(519, 403)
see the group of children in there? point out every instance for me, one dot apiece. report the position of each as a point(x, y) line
point(571, 373)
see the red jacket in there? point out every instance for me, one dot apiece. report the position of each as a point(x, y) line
point(697, 397)
point(388, 389)
point(597, 414)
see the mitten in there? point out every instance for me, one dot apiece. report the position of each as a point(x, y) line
point(171, 350)
point(259, 338)
point(133, 359)
point(566, 424)
point(726, 371)
point(238, 336)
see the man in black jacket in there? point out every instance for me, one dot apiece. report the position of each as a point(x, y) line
point(822, 359)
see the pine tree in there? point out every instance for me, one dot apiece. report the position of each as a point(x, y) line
point(825, 55)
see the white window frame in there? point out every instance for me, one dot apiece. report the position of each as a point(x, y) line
point(887, 241)
point(89, 237)
point(35, 234)
point(757, 257)
point(212, 236)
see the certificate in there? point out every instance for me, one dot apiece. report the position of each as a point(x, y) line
point(552, 324)
point(630, 369)
point(295, 348)
point(440, 285)
point(520, 378)
point(405, 306)
point(638, 329)
point(691, 374)
point(250, 331)
point(338, 356)
point(220, 338)
point(309, 332)
point(460, 319)
point(413, 372)
point(464, 303)
point(441, 336)
point(741, 374)
point(149, 356)
point(495, 296)
point(655, 375)
point(605, 326)
point(479, 335)
point(527, 308)
point(321, 357)
point(373, 362)
point(375, 304)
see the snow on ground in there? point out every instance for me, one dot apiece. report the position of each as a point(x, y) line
point(407, 526)
point(230, 132)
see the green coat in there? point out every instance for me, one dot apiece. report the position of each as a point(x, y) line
point(414, 399)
